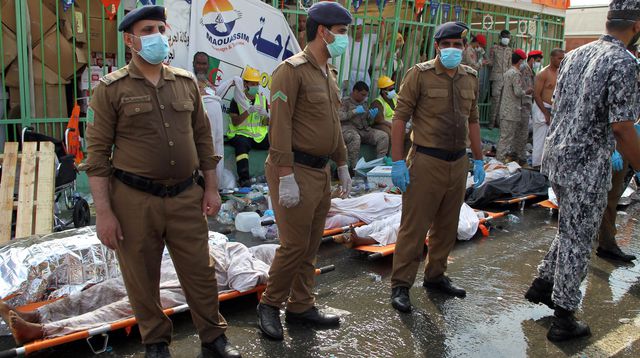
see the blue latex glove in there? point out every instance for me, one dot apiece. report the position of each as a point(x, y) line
point(638, 175)
point(478, 172)
point(400, 174)
point(359, 110)
point(616, 161)
point(637, 127)
point(373, 112)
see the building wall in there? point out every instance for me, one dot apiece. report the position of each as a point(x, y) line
point(573, 43)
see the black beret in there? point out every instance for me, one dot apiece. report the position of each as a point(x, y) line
point(147, 12)
point(624, 10)
point(329, 13)
point(451, 30)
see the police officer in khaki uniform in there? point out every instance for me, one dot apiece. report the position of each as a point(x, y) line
point(147, 137)
point(305, 134)
point(440, 96)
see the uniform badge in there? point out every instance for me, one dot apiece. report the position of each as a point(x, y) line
point(279, 95)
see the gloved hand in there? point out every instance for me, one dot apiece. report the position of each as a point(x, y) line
point(289, 191)
point(345, 181)
point(359, 110)
point(373, 112)
point(400, 174)
point(638, 176)
point(616, 161)
point(263, 112)
point(637, 127)
point(478, 172)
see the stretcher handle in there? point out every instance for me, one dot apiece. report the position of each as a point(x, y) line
point(375, 256)
point(325, 269)
point(13, 352)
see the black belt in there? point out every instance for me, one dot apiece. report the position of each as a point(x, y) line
point(441, 154)
point(310, 160)
point(149, 186)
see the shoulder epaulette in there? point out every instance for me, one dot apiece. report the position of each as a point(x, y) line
point(297, 60)
point(423, 66)
point(470, 70)
point(180, 72)
point(114, 76)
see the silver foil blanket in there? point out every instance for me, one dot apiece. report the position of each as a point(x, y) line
point(54, 265)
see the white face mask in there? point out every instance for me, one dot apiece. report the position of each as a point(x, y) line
point(505, 41)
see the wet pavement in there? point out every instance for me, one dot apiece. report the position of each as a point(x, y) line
point(494, 320)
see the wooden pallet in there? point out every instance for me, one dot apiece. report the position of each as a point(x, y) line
point(36, 188)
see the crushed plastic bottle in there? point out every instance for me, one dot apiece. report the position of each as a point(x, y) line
point(259, 233)
point(226, 217)
point(513, 219)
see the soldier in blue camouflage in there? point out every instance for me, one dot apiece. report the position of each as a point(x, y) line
point(595, 104)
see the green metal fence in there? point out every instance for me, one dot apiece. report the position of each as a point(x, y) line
point(416, 26)
point(52, 55)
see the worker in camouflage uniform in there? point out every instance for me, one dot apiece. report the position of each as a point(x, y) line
point(356, 120)
point(512, 125)
point(528, 70)
point(595, 101)
point(500, 62)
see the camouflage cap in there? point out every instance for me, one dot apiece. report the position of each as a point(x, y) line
point(624, 10)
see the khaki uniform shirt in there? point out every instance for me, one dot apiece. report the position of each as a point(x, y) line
point(159, 132)
point(349, 119)
point(441, 107)
point(304, 111)
point(500, 61)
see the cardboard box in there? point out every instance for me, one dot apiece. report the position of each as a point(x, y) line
point(12, 75)
point(96, 35)
point(8, 8)
point(73, 16)
point(9, 47)
point(54, 45)
point(56, 101)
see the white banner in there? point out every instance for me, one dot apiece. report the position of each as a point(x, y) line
point(239, 33)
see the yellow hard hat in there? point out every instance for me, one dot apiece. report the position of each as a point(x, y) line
point(384, 82)
point(250, 74)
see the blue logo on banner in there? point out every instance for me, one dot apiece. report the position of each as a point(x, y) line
point(445, 11)
point(434, 8)
point(457, 10)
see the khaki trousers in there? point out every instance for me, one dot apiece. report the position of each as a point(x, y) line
point(431, 205)
point(292, 273)
point(607, 231)
point(148, 224)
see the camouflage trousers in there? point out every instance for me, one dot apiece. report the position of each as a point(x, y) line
point(496, 94)
point(566, 263)
point(353, 138)
point(513, 140)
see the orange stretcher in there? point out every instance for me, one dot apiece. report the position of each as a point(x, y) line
point(328, 234)
point(515, 200)
point(548, 204)
point(375, 252)
point(125, 323)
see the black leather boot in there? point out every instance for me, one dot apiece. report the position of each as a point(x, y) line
point(157, 350)
point(540, 292)
point(400, 299)
point(219, 348)
point(565, 326)
point(312, 316)
point(614, 254)
point(269, 321)
point(444, 285)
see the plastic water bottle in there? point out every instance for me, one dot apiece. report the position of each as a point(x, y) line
point(513, 219)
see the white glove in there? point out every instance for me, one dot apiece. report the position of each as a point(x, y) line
point(253, 109)
point(263, 112)
point(289, 191)
point(345, 181)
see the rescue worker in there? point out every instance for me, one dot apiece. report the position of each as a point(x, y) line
point(511, 144)
point(147, 136)
point(385, 104)
point(500, 62)
point(440, 96)
point(248, 128)
point(470, 55)
point(528, 70)
point(355, 119)
point(304, 134)
point(595, 101)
